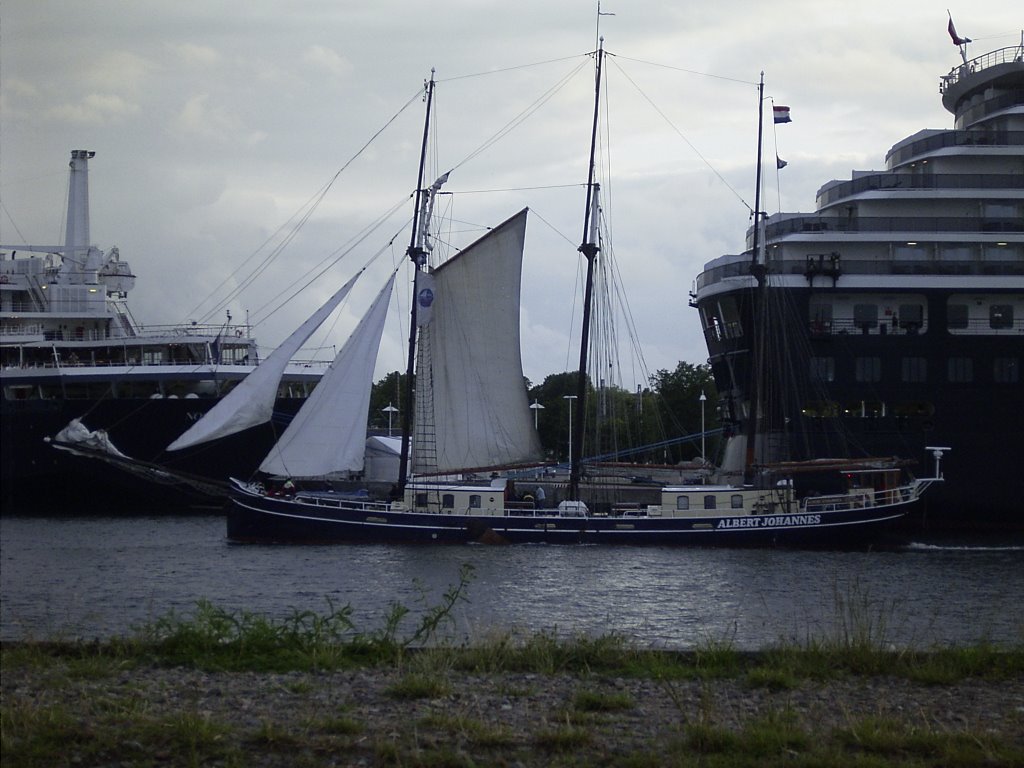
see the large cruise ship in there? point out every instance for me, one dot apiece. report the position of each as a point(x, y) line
point(70, 348)
point(905, 299)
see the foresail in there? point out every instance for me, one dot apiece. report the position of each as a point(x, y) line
point(328, 435)
point(471, 405)
point(252, 401)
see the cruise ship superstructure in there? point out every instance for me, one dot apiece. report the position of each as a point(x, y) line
point(905, 297)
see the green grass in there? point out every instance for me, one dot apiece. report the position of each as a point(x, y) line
point(118, 722)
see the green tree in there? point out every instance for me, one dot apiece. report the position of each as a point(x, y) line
point(680, 406)
point(553, 420)
point(388, 391)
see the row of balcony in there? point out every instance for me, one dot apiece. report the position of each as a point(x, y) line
point(916, 182)
point(902, 153)
point(885, 225)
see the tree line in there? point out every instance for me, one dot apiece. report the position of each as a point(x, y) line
point(645, 426)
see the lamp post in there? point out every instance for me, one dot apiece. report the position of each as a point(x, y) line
point(536, 408)
point(703, 399)
point(389, 410)
point(570, 398)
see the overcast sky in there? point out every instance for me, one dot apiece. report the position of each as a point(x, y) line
point(215, 123)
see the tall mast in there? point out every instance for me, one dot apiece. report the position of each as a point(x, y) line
point(589, 248)
point(417, 253)
point(759, 270)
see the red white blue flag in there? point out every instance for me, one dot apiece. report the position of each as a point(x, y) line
point(781, 114)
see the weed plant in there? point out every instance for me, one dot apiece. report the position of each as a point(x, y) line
point(120, 722)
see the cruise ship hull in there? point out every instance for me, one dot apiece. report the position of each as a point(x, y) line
point(38, 478)
point(899, 304)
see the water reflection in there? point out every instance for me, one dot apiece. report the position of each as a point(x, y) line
point(101, 577)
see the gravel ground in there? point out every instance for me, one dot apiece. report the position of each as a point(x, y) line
point(358, 717)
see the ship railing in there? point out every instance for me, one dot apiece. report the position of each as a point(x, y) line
point(902, 153)
point(861, 498)
point(895, 327)
point(979, 63)
point(916, 182)
point(813, 224)
point(327, 502)
point(196, 329)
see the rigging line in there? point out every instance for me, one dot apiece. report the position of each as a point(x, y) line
point(510, 69)
point(10, 218)
point(688, 71)
point(683, 137)
point(404, 228)
point(523, 116)
point(512, 189)
point(320, 193)
point(344, 250)
point(263, 265)
point(778, 176)
point(553, 228)
point(314, 201)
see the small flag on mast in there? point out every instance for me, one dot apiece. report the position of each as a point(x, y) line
point(780, 163)
point(957, 40)
point(781, 115)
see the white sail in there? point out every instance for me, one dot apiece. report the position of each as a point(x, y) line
point(471, 405)
point(252, 401)
point(328, 434)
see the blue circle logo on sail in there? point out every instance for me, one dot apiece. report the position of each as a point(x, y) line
point(426, 298)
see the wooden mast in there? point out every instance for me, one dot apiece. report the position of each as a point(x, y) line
point(418, 255)
point(759, 270)
point(589, 249)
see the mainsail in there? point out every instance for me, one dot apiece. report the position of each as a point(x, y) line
point(328, 435)
point(472, 411)
point(252, 401)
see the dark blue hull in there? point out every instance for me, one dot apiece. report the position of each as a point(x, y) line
point(253, 518)
point(37, 478)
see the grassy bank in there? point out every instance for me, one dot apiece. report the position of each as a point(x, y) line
point(241, 689)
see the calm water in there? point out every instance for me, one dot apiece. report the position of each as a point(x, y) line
point(102, 576)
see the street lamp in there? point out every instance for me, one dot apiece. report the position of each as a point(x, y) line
point(570, 397)
point(389, 410)
point(536, 408)
point(703, 399)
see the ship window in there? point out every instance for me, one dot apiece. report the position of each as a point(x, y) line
point(911, 410)
point(957, 316)
point(1002, 211)
point(948, 252)
point(910, 252)
point(866, 409)
point(911, 318)
point(710, 502)
point(729, 312)
point(474, 501)
point(823, 369)
point(448, 501)
point(868, 369)
point(821, 318)
point(865, 316)
point(421, 500)
point(960, 369)
point(821, 409)
point(736, 501)
point(1006, 370)
point(682, 502)
point(915, 370)
point(1000, 316)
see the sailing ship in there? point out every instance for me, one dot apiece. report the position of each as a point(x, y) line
point(473, 427)
point(71, 351)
